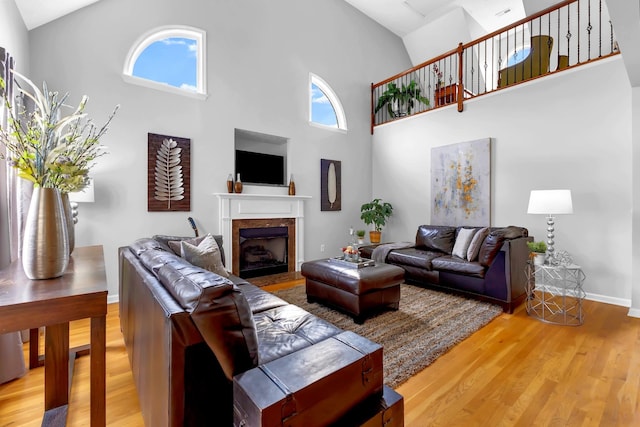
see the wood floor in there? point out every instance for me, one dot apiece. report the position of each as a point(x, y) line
point(516, 371)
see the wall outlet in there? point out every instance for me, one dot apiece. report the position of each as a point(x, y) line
point(321, 248)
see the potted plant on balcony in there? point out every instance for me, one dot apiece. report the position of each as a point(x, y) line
point(400, 100)
point(375, 213)
point(538, 252)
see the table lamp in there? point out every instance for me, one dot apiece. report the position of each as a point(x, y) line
point(550, 203)
point(86, 195)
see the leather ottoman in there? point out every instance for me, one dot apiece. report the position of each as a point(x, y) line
point(359, 292)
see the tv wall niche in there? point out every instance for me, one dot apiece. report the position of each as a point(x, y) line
point(260, 158)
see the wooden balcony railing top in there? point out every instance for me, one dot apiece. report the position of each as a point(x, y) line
point(564, 36)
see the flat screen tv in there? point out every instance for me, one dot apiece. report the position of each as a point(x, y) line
point(260, 168)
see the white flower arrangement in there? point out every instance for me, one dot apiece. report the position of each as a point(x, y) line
point(49, 150)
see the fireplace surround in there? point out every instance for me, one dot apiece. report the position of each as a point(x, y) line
point(263, 246)
point(238, 211)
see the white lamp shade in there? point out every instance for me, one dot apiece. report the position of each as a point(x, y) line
point(550, 202)
point(86, 195)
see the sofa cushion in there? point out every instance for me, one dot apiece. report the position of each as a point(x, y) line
point(260, 300)
point(476, 243)
point(147, 243)
point(205, 254)
point(511, 232)
point(490, 248)
point(175, 244)
point(284, 330)
point(413, 257)
point(436, 238)
point(165, 239)
point(463, 240)
point(458, 265)
point(216, 306)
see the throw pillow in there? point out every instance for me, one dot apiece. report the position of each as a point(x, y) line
point(205, 255)
point(175, 244)
point(462, 242)
point(490, 248)
point(476, 243)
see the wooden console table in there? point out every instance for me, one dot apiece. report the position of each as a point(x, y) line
point(81, 292)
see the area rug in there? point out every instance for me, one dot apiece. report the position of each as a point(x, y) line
point(426, 326)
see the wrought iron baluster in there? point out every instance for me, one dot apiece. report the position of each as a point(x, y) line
point(589, 28)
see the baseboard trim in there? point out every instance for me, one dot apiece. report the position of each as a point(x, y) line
point(634, 312)
point(623, 302)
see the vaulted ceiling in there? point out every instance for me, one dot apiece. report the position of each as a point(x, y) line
point(399, 16)
point(404, 16)
point(38, 12)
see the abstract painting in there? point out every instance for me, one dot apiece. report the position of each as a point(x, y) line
point(330, 185)
point(168, 173)
point(461, 184)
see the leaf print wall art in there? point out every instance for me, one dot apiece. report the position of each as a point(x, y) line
point(330, 185)
point(168, 173)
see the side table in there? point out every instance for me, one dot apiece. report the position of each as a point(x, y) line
point(81, 292)
point(555, 294)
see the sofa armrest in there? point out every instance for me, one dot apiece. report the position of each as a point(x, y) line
point(506, 276)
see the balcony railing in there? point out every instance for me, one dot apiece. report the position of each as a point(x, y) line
point(567, 35)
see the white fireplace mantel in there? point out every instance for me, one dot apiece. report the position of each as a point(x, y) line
point(259, 206)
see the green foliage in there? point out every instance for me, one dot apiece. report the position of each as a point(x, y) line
point(538, 247)
point(360, 233)
point(376, 213)
point(47, 148)
point(400, 98)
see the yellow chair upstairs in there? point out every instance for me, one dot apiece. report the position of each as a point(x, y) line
point(535, 64)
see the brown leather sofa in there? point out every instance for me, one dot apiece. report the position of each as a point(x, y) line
point(496, 274)
point(189, 332)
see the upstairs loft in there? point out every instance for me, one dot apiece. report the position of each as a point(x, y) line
point(559, 38)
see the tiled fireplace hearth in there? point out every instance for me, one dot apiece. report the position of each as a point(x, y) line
point(271, 228)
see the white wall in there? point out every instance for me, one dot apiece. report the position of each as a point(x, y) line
point(15, 39)
point(438, 37)
point(259, 58)
point(635, 159)
point(571, 130)
point(13, 35)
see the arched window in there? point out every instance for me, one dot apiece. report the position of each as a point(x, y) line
point(325, 108)
point(518, 55)
point(170, 58)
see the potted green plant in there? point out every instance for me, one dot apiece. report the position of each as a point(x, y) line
point(400, 100)
point(360, 234)
point(375, 213)
point(538, 252)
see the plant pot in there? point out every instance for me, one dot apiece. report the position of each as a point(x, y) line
point(374, 236)
point(399, 109)
point(539, 258)
point(360, 240)
point(45, 249)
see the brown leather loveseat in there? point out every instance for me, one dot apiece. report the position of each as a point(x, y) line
point(491, 267)
point(190, 333)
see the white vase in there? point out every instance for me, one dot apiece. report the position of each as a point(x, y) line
point(539, 258)
point(45, 249)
